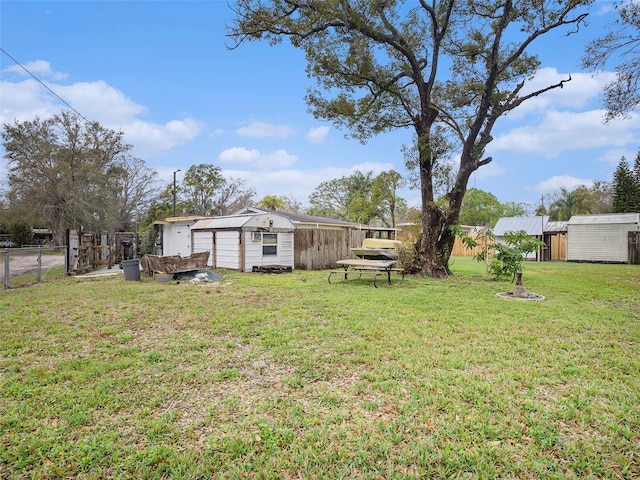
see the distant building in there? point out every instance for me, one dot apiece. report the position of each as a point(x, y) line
point(533, 226)
point(602, 238)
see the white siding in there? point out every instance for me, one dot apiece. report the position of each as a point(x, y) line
point(285, 249)
point(228, 250)
point(176, 240)
point(203, 242)
point(253, 252)
point(598, 242)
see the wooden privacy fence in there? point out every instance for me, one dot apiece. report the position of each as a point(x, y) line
point(460, 250)
point(557, 247)
point(318, 249)
point(634, 248)
point(458, 247)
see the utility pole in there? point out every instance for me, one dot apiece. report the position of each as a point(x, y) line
point(542, 230)
point(174, 192)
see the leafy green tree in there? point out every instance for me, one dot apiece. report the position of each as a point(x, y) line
point(345, 198)
point(271, 202)
point(73, 173)
point(379, 66)
point(510, 255)
point(514, 209)
point(203, 191)
point(282, 203)
point(569, 202)
point(384, 196)
point(503, 260)
point(480, 208)
point(160, 207)
point(600, 196)
point(199, 187)
point(623, 39)
point(582, 200)
point(21, 234)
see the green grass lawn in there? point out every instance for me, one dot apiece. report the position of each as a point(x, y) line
point(286, 376)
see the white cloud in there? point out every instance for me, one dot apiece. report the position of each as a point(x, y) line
point(240, 156)
point(39, 68)
point(493, 169)
point(558, 132)
point(613, 156)
point(263, 129)
point(575, 94)
point(298, 183)
point(317, 135)
point(554, 184)
point(96, 101)
point(24, 101)
point(152, 138)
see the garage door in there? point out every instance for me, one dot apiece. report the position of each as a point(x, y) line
point(228, 250)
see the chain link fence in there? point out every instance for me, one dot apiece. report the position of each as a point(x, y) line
point(30, 265)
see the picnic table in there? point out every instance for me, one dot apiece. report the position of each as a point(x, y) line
point(361, 266)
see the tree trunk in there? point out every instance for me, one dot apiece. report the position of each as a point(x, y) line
point(432, 257)
point(436, 240)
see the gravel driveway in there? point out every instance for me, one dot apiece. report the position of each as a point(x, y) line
point(22, 262)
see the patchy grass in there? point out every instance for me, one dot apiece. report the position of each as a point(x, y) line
point(286, 376)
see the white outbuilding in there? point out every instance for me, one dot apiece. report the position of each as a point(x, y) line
point(242, 242)
point(533, 226)
point(601, 238)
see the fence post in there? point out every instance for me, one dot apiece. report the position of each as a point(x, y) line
point(66, 259)
point(39, 264)
point(6, 269)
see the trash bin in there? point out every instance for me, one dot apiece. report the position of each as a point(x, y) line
point(127, 254)
point(131, 269)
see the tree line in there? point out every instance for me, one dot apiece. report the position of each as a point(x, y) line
point(445, 69)
point(65, 172)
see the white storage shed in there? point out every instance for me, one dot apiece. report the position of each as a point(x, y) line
point(533, 226)
point(601, 238)
point(241, 242)
point(174, 235)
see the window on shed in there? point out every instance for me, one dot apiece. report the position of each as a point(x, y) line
point(269, 244)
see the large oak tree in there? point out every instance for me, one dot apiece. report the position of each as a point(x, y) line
point(621, 43)
point(382, 65)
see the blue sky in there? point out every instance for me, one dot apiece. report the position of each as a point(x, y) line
point(160, 72)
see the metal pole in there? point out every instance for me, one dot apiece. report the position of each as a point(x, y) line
point(174, 192)
point(6, 269)
point(542, 229)
point(39, 263)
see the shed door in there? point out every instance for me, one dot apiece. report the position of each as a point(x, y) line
point(228, 250)
point(203, 242)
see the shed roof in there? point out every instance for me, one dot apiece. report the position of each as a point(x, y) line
point(531, 225)
point(304, 219)
point(633, 218)
point(250, 220)
point(172, 220)
point(555, 227)
point(222, 222)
